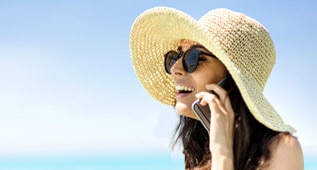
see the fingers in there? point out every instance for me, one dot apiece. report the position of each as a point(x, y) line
point(208, 98)
point(215, 92)
point(216, 97)
point(221, 93)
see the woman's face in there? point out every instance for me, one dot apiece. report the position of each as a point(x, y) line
point(209, 71)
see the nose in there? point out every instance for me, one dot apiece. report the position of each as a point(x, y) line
point(177, 68)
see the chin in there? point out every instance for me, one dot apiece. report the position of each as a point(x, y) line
point(185, 110)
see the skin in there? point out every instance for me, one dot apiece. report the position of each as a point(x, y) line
point(286, 154)
point(206, 77)
point(208, 72)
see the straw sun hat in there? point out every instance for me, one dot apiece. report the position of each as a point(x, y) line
point(241, 43)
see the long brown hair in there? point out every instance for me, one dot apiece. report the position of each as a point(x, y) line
point(252, 140)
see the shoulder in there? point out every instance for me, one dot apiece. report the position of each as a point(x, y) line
point(286, 153)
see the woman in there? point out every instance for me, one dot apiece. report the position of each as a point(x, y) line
point(179, 60)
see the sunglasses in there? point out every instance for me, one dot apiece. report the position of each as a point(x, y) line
point(190, 59)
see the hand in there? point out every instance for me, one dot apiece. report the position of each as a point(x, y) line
point(221, 121)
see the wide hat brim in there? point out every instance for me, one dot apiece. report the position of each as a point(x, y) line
point(159, 30)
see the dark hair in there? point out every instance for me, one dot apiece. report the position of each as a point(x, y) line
point(252, 140)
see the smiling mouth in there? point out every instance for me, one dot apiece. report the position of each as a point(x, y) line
point(184, 89)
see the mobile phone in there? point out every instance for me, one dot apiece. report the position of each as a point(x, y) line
point(203, 112)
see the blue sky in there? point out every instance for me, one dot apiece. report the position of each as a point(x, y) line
point(68, 86)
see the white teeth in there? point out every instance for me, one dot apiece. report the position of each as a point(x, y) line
point(184, 88)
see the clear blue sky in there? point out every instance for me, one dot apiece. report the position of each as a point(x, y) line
point(67, 84)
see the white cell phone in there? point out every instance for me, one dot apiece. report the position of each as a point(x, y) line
point(203, 112)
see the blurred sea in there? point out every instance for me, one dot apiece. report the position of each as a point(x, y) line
point(106, 162)
point(155, 161)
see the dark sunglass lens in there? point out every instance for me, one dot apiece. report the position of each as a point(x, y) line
point(170, 58)
point(190, 60)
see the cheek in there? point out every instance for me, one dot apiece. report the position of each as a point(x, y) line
point(209, 74)
point(205, 76)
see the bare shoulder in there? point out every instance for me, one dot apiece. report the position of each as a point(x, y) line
point(286, 154)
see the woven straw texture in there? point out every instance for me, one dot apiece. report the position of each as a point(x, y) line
point(242, 44)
